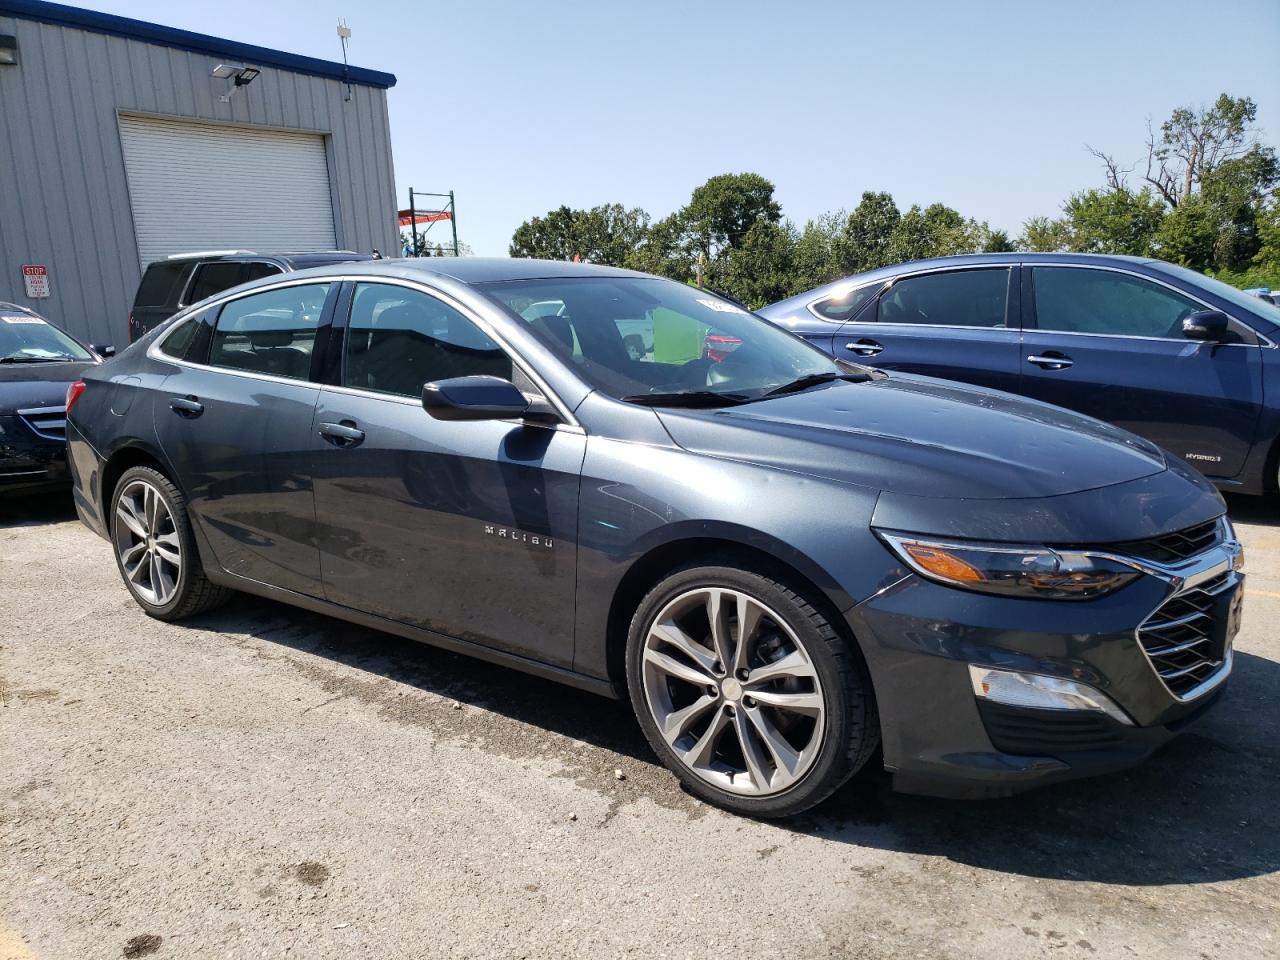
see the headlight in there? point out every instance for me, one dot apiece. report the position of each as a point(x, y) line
point(1016, 571)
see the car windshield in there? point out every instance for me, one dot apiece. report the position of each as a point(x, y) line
point(28, 339)
point(656, 341)
point(1239, 298)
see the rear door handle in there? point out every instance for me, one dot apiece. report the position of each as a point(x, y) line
point(864, 347)
point(188, 407)
point(344, 434)
point(1050, 361)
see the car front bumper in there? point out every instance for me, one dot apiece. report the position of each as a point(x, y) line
point(30, 462)
point(941, 739)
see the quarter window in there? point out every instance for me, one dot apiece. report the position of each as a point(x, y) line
point(399, 338)
point(189, 339)
point(273, 332)
point(963, 298)
point(1079, 300)
point(844, 306)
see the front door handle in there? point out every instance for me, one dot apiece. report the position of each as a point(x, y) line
point(864, 347)
point(344, 434)
point(188, 407)
point(1050, 360)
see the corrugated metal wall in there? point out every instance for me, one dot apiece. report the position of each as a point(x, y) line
point(64, 197)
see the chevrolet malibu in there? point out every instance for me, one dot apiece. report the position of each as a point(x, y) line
point(783, 559)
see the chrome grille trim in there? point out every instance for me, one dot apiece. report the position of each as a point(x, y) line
point(1174, 634)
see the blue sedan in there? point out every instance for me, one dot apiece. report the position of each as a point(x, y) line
point(1172, 355)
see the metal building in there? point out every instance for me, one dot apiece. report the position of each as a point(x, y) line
point(122, 142)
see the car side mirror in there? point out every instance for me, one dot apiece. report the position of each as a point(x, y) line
point(474, 398)
point(1205, 325)
point(106, 350)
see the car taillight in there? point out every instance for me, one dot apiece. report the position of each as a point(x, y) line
point(717, 346)
point(73, 394)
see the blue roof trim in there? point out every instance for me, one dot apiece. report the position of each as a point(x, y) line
point(64, 16)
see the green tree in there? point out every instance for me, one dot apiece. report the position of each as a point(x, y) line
point(997, 241)
point(1194, 142)
point(1043, 235)
point(761, 268)
point(1112, 221)
point(1187, 234)
point(864, 241)
point(817, 248)
point(723, 209)
point(606, 234)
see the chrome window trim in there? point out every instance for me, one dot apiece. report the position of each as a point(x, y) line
point(153, 351)
point(1265, 341)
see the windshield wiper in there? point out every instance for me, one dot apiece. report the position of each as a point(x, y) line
point(21, 359)
point(813, 380)
point(688, 398)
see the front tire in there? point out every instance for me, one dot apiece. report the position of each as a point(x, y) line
point(155, 549)
point(747, 691)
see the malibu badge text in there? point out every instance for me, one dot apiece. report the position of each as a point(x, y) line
point(518, 536)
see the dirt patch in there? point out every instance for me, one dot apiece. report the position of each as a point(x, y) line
point(311, 873)
point(142, 945)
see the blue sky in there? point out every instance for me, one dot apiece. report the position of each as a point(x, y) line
point(986, 106)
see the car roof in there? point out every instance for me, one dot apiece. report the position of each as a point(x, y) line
point(471, 270)
point(960, 260)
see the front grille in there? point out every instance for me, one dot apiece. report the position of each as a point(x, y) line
point(1185, 638)
point(1037, 733)
point(47, 422)
point(1173, 547)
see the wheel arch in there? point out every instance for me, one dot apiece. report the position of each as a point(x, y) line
point(120, 460)
point(773, 557)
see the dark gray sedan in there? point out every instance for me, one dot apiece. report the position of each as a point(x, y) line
point(38, 362)
point(636, 487)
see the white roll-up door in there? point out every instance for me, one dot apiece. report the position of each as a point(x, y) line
point(202, 186)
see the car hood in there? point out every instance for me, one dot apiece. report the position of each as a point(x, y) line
point(24, 386)
point(920, 437)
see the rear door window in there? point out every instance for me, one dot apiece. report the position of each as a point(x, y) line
point(273, 332)
point(961, 298)
point(161, 284)
point(213, 278)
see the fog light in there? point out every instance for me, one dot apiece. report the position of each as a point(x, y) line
point(1040, 692)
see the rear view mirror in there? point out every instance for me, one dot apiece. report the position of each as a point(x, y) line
point(1205, 325)
point(107, 350)
point(474, 398)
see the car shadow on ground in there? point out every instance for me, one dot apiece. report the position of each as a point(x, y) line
point(1204, 809)
point(1262, 511)
point(31, 510)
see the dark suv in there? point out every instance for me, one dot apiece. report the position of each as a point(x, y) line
point(185, 278)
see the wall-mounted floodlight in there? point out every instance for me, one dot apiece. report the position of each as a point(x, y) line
point(8, 50)
point(239, 75)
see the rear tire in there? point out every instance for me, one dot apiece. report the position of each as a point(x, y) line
point(155, 549)
point(768, 728)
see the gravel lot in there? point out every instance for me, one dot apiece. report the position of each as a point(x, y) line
point(263, 782)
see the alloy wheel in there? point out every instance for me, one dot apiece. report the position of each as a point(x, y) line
point(733, 691)
point(147, 542)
